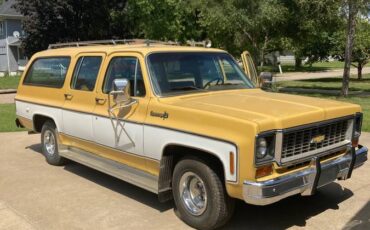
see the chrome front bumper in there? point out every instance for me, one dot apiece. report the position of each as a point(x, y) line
point(304, 182)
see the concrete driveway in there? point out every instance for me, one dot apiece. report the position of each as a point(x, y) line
point(35, 195)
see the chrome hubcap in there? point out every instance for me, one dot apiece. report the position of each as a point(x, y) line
point(49, 142)
point(193, 193)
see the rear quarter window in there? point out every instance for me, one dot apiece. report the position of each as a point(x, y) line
point(48, 72)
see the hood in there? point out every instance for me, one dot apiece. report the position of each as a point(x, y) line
point(267, 110)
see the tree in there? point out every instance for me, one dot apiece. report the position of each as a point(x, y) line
point(174, 20)
point(310, 28)
point(51, 21)
point(361, 46)
point(238, 25)
point(361, 49)
point(352, 9)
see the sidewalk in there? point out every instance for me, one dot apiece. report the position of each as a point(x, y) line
point(322, 91)
point(5, 91)
point(7, 98)
point(293, 76)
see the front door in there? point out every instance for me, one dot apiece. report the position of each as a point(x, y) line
point(250, 68)
point(122, 134)
point(80, 97)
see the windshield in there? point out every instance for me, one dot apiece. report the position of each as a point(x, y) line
point(179, 73)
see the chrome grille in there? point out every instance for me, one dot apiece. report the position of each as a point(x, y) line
point(299, 142)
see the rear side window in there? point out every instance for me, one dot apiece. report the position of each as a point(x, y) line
point(85, 73)
point(48, 72)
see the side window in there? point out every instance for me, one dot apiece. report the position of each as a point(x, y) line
point(48, 72)
point(85, 73)
point(125, 67)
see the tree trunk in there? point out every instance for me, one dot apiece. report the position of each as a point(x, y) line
point(262, 56)
point(298, 62)
point(352, 12)
point(359, 71)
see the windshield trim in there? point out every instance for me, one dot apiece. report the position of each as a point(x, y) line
point(183, 92)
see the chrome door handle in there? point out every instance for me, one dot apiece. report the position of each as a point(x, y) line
point(100, 100)
point(68, 96)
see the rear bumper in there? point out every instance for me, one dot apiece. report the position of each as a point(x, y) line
point(304, 182)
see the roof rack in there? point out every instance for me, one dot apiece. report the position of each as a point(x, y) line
point(110, 42)
point(206, 43)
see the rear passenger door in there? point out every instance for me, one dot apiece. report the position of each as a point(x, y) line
point(80, 98)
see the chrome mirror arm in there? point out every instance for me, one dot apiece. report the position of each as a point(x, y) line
point(115, 118)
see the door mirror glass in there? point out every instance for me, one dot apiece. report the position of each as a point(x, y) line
point(121, 91)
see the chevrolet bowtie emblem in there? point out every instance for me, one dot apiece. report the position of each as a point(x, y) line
point(317, 139)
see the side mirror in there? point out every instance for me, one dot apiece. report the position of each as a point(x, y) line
point(266, 76)
point(121, 91)
point(266, 79)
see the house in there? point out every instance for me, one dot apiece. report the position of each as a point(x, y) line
point(12, 58)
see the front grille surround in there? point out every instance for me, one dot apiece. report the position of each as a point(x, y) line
point(294, 144)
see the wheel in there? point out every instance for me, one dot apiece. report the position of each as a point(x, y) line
point(49, 141)
point(200, 196)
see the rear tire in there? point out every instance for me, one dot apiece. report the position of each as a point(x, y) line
point(49, 141)
point(200, 196)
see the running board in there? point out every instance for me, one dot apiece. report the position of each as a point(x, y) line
point(113, 168)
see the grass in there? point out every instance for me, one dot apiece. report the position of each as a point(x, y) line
point(9, 82)
point(317, 66)
point(7, 118)
point(329, 84)
point(335, 84)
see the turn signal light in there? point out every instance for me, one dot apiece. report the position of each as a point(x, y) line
point(264, 171)
point(231, 160)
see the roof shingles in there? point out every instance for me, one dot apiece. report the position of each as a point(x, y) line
point(7, 9)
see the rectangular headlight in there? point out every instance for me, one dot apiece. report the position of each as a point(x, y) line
point(265, 148)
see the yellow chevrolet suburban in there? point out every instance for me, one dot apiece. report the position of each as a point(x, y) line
point(186, 123)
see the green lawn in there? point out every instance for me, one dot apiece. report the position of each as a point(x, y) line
point(317, 66)
point(9, 82)
point(335, 84)
point(7, 118)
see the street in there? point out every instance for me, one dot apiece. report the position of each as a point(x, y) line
point(35, 195)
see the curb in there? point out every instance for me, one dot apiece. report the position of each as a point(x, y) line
point(6, 91)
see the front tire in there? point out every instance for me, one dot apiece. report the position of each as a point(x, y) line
point(200, 196)
point(49, 141)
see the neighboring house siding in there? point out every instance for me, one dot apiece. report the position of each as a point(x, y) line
point(13, 25)
point(13, 57)
point(3, 59)
point(10, 45)
point(2, 29)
